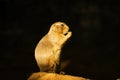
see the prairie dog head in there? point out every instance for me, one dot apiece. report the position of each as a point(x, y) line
point(59, 28)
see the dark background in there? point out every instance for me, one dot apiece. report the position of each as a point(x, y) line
point(93, 50)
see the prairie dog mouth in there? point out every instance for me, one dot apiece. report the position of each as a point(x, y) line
point(66, 33)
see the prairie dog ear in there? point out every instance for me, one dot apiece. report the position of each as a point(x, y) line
point(53, 27)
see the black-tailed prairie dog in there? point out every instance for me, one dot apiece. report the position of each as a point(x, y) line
point(47, 51)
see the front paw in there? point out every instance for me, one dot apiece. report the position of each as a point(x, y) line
point(69, 34)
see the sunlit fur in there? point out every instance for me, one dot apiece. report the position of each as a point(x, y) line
point(47, 51)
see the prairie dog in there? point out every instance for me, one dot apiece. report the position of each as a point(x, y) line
point(47, 51)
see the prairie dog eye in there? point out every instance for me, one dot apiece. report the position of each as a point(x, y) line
point(62, 24)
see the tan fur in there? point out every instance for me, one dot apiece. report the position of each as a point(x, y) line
point(54, 76)
point(47, 51)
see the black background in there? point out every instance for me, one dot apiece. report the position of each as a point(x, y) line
point(93, 50)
